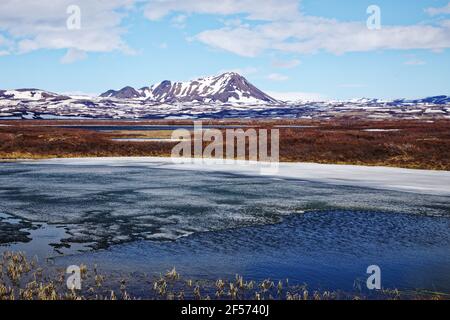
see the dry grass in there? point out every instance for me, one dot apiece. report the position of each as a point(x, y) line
point(21, 279)
point(26, 142)
point(156, 134)
point(416, 144)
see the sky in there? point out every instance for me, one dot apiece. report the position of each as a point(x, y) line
point(292, 49)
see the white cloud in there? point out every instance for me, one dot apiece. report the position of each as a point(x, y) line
point(296, 96)
point(73, 55)
point(241, 41)
point(281, 26)
point(268, 10)
point(312, 34)
point(277, 77)
point(437, 11)
point(179, 21)
point(415, 62)
point(286, 64)
point(250, 27)
point(232, 22)
point(33, 25)
point(4, 53)
point(445, 24)
point(163, 45)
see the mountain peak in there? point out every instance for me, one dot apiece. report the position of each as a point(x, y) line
point(230, 74)
point(228, 87)
point(124, 93)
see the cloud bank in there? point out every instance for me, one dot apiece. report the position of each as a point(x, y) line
point(281, 26)
point(249, 28)
point(30, 25)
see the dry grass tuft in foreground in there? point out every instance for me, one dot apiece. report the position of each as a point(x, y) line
point(21, 279)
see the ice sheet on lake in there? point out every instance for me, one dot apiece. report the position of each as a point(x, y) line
point(420, 181)
point(109, 201)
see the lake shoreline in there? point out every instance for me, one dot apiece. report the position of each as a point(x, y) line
point(379, 177)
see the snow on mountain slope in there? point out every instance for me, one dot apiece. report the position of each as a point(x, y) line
point(225, 88)
point(27, 94)
point(224, 96)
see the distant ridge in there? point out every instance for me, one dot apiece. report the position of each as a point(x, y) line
point(228, 95)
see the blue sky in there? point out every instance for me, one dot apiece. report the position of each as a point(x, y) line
point(290, 48)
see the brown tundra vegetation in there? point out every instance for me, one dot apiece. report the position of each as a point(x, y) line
point(414, 144)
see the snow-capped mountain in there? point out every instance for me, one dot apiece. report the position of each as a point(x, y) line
point(225, 96)
point(225, 88)
point(365, 101)
point(125, 93)
point(432, 100)
point(27, 94)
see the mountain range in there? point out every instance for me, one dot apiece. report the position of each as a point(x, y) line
point(226, 88)
point(228, 95)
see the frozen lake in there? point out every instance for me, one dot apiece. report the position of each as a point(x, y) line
point(130, 217)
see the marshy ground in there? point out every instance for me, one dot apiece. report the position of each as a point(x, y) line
point(398, 143)
point(24, 279)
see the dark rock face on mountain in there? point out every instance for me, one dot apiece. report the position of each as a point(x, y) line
point(125, 93)
point(4, 95)
point(225, 88)
point(236, 84)
point(164, 91)
point(434, 100)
